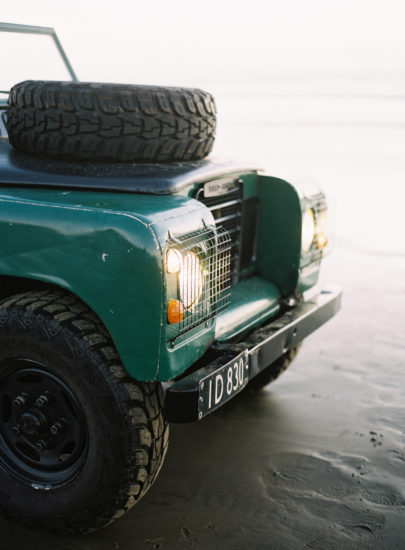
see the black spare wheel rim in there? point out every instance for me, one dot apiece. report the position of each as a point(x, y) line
point(43, 430)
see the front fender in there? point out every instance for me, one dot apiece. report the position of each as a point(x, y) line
point(104, 248)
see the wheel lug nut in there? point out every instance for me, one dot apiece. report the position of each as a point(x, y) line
point(41, 445)
point(16, 429)
point(57, 426)
point(20, 400)
point(42, 400)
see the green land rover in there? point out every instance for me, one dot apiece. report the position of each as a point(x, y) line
point(141, 283)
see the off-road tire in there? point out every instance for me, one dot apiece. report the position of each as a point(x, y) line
point(273, 371)
point(127, 435)
point(111, 122)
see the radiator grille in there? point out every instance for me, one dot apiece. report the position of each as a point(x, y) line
point(203, 285)
point(239, 217)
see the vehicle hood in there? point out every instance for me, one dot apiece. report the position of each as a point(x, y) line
point(158, 179)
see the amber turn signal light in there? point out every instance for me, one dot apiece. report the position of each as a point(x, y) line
point(175, 311)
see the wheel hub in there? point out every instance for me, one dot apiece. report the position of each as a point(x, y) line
point(31, 423)
point(43, 432)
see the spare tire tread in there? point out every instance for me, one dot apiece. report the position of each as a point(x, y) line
point(57, 119)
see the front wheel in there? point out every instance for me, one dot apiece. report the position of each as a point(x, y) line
point(80, 441)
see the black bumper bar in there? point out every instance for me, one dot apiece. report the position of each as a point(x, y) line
point(184, 400)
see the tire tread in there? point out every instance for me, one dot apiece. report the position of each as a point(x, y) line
point(111, 122)
point(140, 404)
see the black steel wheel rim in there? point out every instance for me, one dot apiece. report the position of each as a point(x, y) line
point(43, 429)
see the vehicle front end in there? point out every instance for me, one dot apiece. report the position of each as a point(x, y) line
point(241, 292)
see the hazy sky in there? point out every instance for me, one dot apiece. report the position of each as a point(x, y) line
point(138, 41)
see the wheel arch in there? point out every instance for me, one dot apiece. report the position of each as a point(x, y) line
point(11, 285)
point(73, 425)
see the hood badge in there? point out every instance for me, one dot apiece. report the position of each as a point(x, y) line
point(220, 187)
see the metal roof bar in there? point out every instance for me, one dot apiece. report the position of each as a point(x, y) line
point(49, 31)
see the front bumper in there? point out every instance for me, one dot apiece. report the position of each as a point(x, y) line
point(184, 400)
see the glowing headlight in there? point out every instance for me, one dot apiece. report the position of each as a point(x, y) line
point(322, 230)
point(190, 276)
point(308, 229)
point(190, 280)
point(174, 261)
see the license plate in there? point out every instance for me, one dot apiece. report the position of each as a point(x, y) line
point(220, 386)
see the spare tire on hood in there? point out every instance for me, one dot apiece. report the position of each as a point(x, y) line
point(111, 122)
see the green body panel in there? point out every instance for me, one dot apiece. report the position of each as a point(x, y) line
point(279, 240)
point(279, 253)
point(308, 277)
point(254, 300)
point(107, 249)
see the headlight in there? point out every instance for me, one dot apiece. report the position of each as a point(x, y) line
point(308, 229)
point(190, 275)
point(190, 280)
point(322, 230)
point(174, 261)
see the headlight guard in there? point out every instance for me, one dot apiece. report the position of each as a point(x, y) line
point(198, 276)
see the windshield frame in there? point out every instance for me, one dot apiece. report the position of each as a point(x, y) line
point(32, 29)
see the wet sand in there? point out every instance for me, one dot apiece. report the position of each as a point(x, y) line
point(317, 460)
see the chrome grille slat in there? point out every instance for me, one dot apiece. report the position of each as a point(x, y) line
point(225, 204)
point(212, 201)
point(228, 218)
